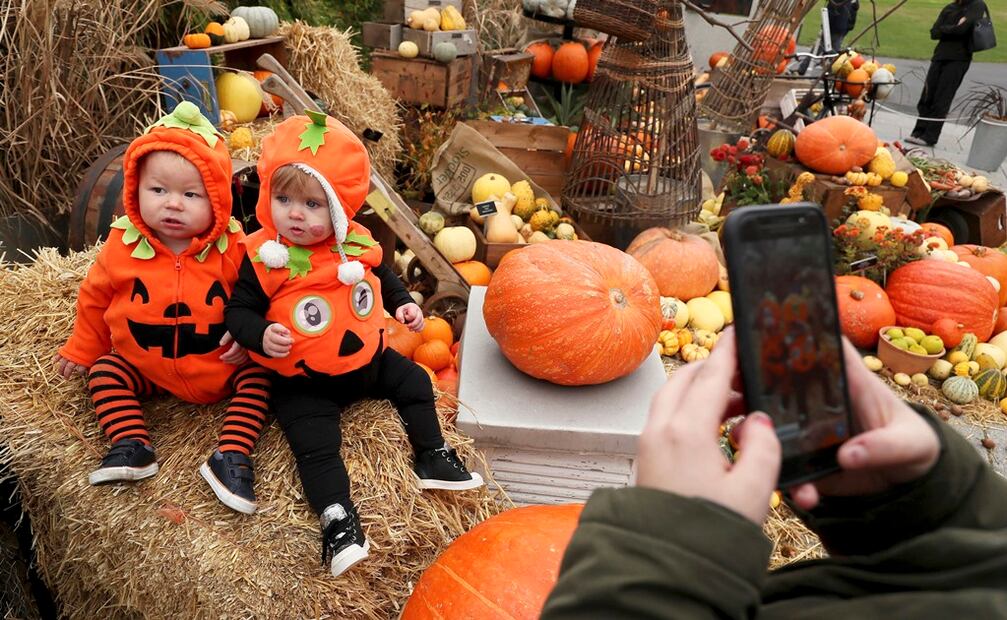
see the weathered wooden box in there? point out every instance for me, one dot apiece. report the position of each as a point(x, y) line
point(465, 41)
point(419, 80)
point(539, 150)
point(382, 35)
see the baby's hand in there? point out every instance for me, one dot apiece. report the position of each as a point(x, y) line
point(67, 368)
point(235, 354)
point(411, 316)
point(276, 340)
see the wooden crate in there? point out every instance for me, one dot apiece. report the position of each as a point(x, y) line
point(419, 81)
point(399, 10)
point(980, 221)
point(539, 150)
point(510, 66)
point(492, 253)
point(382, 35)
point(465, 41)
point(832, 197)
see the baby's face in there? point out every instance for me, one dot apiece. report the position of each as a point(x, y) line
point(173, 200)
point(302, 216)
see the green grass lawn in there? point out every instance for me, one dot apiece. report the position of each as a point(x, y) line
point(906, 32)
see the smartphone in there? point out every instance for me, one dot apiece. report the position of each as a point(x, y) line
point(779, 264)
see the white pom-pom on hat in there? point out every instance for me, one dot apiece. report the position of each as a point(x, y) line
point(351, 272)
point(274, 254)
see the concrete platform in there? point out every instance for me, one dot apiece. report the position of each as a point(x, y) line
point(548, 443)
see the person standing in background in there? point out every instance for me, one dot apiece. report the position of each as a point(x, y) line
point(948, 66)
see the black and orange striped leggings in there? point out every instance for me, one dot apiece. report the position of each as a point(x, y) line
point(116, 387)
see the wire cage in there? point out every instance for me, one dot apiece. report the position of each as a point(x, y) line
point(739, 89)
point(635, 161)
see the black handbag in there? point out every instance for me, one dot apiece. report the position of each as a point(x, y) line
point(983, 37)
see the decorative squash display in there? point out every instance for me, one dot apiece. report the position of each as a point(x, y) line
point(863, 310)
point(262, 21)
point(541, 66)
point(400, 338)
point(239, 93)
point(835, 144)
point(573, 312)
point(508, 563)
point(960, 390)
point(488, 186)
point(684, 265)
point(570, 63)
point(433, 354)
point(196, 41)
point(781, 143)
point(216, 33)
point(987, 261)
point(923, 291)
point(474, 272)
point(436, 328)
point(456, 243)
point(235, 30)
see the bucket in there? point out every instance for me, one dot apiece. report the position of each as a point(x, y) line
point(989, 145)
point(709, 139)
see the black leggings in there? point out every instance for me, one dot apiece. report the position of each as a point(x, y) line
point(943, 79)
point(309, 411)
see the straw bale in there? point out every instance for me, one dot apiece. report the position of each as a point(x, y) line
point(165, 547)
point(325, 62)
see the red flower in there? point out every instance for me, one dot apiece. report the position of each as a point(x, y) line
point(733, 150)
point(743, 144)
point(751, 170)
point(757, 179)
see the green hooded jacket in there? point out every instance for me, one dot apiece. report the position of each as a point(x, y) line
point(932, 548)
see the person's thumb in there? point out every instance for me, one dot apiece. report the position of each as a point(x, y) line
point(758, 465)
point(892, 445)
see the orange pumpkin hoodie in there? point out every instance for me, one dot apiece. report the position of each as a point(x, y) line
point(165, 313)
point(326, 293)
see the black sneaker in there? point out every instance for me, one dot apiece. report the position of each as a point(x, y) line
point(231, 477)
point(442, 469)
point(343, 542)
point(127, 459)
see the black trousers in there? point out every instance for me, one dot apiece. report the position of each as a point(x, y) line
point(943, 79)
point(308, 410)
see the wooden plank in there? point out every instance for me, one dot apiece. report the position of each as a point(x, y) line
point(523, 136)
point(418, 80)
point(546, 163)
point(188, 76)
point(381, 35)
point(226, 47)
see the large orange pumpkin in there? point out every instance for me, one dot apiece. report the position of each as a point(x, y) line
point(933, 229)
point(987, 261)
point(863, 310)
point(683, 265)
point(541, 66)
point(1001, 324)
point(573, 312)
point(594, 50)
point(926, 290)
point(436, 328)
point(504, 567)
point(835, 144)
point(571, 63)
point(771, 43)
point(433, 354)
point(474, 272)
point(398, 337)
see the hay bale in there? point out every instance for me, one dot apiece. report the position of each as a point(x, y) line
point(165, 547)
point(325, 62)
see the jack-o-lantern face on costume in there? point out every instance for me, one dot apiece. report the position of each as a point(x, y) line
point(182, 331)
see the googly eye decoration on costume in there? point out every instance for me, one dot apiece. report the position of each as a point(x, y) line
point(362, 299)
point(312, 315)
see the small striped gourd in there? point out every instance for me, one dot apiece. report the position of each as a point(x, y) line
point(960, 390)
point(992, 384)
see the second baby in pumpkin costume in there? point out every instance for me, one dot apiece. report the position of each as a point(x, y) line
point(308, 306)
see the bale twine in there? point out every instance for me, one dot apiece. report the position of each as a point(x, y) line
point(325, 62)
point(165, 547)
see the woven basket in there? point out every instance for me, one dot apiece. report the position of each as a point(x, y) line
point(630, 20)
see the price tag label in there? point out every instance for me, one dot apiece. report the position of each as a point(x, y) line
point(485, 209)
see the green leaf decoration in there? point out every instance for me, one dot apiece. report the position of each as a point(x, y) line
point(130, 235)
point(143, 250)
point(122, 223)
point(187, 116)
point(300, 261)
point(202, 255)
point(222, 243)
point(233, 225)
point(313, 136)
point(359, 239)
point(258, 259)
point(353, 250)
point(318, 118)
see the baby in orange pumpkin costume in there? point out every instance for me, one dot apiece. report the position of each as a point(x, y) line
point(308, 306)
point(150, 314)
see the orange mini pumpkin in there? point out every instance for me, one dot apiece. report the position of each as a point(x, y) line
point(488, 567)
point(436, 328)
point(863, 310)
point(856, 82)
point(592, 316)
point(474, 272)
point(433, 354)
point(400, 338)
point(683, 265)
point(541, 66)
point(571, 63)
point(933, 229)
point(196, 41)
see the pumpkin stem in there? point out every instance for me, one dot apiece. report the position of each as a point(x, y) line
point(618, 297)
point(858, 295)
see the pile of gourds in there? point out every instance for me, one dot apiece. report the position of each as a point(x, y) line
point(255, 22)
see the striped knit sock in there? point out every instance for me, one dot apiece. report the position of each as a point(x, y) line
point(246, 413)
point(115, 386)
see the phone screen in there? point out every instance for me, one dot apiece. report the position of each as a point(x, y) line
point(788, 328)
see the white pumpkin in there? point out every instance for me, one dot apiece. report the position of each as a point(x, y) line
point(996, 353)
point(456, 243)
point(908, 227)
point(883, 82)
point(1000, 341)
point(235, 30)
point(262, 21)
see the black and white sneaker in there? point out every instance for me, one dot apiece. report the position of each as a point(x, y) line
point(917, 141)
point(127, 459)
point(442, 469)
point(343, 542)
point(232, 478)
